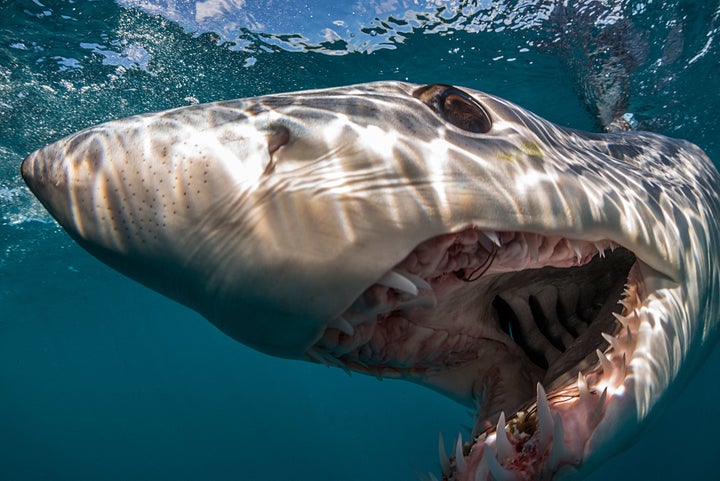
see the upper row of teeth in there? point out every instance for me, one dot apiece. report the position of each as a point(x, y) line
point(408, 283)
point(411, 284)
point(401, 282)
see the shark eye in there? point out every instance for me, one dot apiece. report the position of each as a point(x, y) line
point(464, 112)
point(457, 107)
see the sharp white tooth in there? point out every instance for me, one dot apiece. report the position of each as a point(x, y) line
point(576, 248)
point(460, 463)
point(502, 444)
point(600, 248)
point(481, 472)
point(605, 363)
point(494, 237)
point(621, 319)
point(343, 325)
point(558, 444)
point(629, 334)
point(582, 386)
point(612, 340)
point(627, 305)
point(328, 360)
point(544, 416)
point(336, 362)
point(398, 281)
point(485, 242)
point(315, 356)
point(622, 372)
point(444, 461)
point(533, 244)
point(496, 469)
point(597, 413)
point(419, 282)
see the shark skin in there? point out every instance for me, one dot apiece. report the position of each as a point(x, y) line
point(560, 283)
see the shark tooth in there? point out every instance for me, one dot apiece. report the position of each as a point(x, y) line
point(395, 280)
point(485, 242)
point(341, 324)
point(504, 448)
point(544, 416)
point(444, 461)
point(605, 363)
point(558, 450)
point(327, 359)
point(600, 249)
point(419, 282)
point(482, 471)
point(597, 413)
point(533, 245)
point(583, 387)
point(496, 469)
point(494, 237)
point(576, 249)
point(460, 463)
point(621, 319)
point(612, 340)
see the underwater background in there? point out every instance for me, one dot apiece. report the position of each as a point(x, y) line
point(102, 379)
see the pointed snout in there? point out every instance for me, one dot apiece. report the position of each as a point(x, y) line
point(46, 174)
point(40, 173)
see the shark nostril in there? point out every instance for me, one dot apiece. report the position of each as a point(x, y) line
point(277, 136)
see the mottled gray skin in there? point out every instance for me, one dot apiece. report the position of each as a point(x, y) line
point(271, 215)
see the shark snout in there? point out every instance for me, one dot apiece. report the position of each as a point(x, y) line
point(132, 185)
point(47, 175)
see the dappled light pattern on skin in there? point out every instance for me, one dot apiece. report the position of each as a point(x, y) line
point(556, 281)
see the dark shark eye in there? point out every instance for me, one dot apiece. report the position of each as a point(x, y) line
point(456, 106)
point(464, 112)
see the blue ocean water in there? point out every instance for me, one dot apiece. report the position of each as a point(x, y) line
point(102, 379)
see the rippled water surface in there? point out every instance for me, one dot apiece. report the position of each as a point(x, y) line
point(101, 379)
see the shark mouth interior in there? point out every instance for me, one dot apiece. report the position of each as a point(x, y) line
point(534, 328)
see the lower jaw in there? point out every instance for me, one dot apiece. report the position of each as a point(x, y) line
point(522, 436)
point(548, 437)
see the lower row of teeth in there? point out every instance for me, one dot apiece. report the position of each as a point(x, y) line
point(547, 435)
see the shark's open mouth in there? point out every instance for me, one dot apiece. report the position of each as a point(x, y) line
point(507, 316)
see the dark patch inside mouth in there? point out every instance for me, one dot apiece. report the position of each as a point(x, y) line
point(556, 316)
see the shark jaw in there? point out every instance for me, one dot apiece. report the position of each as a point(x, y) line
point(553, 280)
point(538, 331)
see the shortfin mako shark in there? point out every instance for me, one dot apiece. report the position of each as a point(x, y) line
point(560, 283)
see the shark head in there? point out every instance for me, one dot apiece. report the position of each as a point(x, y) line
point(561, 283)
